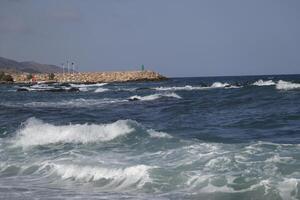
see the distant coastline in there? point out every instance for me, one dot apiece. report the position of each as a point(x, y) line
point(12, 71)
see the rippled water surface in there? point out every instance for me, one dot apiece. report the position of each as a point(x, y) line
point(185, 138)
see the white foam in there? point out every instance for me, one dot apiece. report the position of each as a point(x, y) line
point(98, 90)
point(219, 164)
point(264, 83)
point(285, 85)
point(42, 86)
point(288, 188)
point(158, 134)
point(36, 88)
point(155, 96)
point(219, 85)
point(36, 132)
point(187, 87)
point(279, 159)
point(88, 85)
point(83, 89)
point(117, 178)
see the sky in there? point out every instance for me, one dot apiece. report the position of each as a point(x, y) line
point(177, 38)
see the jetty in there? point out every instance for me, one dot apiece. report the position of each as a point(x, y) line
point(89, 77)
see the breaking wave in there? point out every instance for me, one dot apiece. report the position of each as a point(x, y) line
point(98, 90)
point(154, 97)
point(285, 85)
point(264, 83)
point(158, 134)
point(194, 166)
point(219, 85)
point(88, 85)
point(189, 87)
point(36, 132)
point(114, 178)
point(280, 85)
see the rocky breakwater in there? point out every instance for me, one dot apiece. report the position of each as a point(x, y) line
point(92, 77)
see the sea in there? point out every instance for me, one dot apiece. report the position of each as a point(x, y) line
point(210, 138)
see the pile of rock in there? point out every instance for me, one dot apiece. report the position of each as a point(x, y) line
point(92, 77)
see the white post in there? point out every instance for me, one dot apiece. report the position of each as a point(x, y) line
point(68, 66)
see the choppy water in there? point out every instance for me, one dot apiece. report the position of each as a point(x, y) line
point(188, 138)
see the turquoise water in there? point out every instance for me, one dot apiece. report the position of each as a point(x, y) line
point(185, 138)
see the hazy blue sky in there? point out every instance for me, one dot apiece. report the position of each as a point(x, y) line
point(174, 37)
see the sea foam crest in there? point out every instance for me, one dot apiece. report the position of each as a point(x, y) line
point(158, 134)
point(35, 132)
point(219, 85)
point(115, 178)
point(189, 87)
point(154, 96)
point(98, 90)
point(88, 85)
point(285, 85)
point(264, 83)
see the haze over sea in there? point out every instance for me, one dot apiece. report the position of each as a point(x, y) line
point(184, 138)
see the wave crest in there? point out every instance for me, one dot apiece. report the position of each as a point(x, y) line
point(35, 132)
point(285, 85)
point(88, 85)
point(189, 87)
point(264, 83)
point(98, 90)
point(154, 96)
point(117, 178)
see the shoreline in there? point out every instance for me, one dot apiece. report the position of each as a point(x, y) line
point(88, 77)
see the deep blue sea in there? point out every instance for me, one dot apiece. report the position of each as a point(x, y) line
point(184, 138)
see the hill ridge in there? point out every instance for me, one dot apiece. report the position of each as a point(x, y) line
point(12, 66)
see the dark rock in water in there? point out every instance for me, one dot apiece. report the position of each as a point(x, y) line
point(64, 84)
point(133, 99)
point(22, 90)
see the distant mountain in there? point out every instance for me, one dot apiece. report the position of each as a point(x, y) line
point(12, 66)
